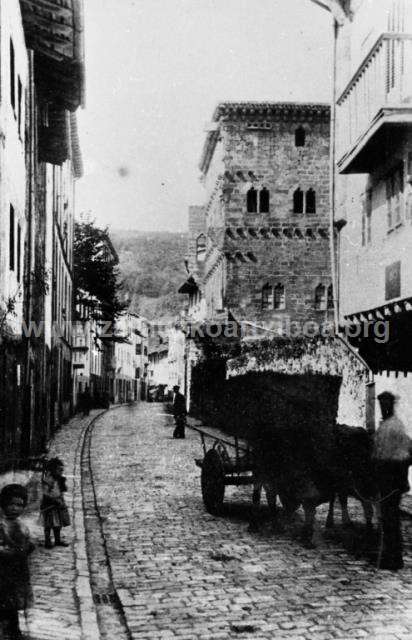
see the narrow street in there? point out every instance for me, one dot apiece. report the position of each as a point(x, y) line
point(180, 573)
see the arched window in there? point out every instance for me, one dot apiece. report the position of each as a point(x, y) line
point(264, 201)
point(298, 201)
point(251, 199)
point(279, 297)
point(300, 137)
point(320, 297)
point(310, 201)
point(201, 248)
point(330, 297)
point(267, 297)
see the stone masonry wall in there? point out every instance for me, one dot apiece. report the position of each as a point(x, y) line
point(280, 246)
point(299, 264)
point(197, 227)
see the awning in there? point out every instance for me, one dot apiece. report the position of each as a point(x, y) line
point(383, 336)
point(383, 312)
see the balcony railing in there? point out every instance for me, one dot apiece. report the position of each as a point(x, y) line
point(379, 93)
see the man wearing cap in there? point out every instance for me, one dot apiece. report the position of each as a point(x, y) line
point(392, 455)
point(179, 412)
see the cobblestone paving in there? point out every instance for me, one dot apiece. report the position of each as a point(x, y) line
point(55, 613)
point(182, 573)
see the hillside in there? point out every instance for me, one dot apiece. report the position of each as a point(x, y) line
point(152, 269)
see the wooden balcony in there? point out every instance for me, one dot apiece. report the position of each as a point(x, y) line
point(54, 31)
point(375, 107)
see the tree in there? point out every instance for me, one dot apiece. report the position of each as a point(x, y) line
point(7, 310)
point(96, 273)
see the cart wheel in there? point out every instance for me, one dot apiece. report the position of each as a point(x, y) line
point(213, 482)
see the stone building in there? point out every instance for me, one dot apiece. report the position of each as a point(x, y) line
point(373, 204)
point(177, 357)
point(14, 82)
point(42, 85)
point(265, 169)
point(374, 190)
point(87, 351)
point(54, 38)
point(259, 249)
point(195, 263)
point(158, 367)
point(130, 360)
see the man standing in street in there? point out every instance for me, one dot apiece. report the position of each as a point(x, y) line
point(392, 455)
point(179, 412)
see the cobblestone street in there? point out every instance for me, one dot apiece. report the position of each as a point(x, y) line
point(181, 573)
point(58, 573)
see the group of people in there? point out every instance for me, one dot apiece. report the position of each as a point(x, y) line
point(15, 543)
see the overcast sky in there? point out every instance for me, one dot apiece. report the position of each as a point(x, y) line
point(155, 71)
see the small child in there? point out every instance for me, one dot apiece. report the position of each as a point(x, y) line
point(53, 507)
point(15, 546)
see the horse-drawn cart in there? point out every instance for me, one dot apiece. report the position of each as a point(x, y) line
point(224, 464)
point(276, 426)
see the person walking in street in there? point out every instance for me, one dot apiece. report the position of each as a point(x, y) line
point(53, 507)
point(87, 401)
point(179, 412)
point(15, 546)
point(392, 457)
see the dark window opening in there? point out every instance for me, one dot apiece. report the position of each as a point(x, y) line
point(369, 216)
point(19, 104)
point(393, 280)
point(279, 297)
point(18, 253)
point(395, 197)
point(264, 201)
point(11, 239)
point(363, 225)
point(251, 200)
point(330, 297)
point(320, 297)
point(298, 201)
point(12, 76)
point(300, 137)
point(310, 201)
point(267, 297)
point(201, 248)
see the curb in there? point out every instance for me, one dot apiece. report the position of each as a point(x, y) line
point(83, 591)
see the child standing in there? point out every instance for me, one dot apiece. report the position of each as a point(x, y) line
point(15, 546)
point(53, 507)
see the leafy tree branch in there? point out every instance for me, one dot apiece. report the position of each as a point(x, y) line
point(96, 270)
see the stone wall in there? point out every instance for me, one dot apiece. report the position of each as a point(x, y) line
point(331, 358)
point(298, 262)
point(277, 246)
point(197, 227)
